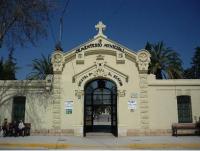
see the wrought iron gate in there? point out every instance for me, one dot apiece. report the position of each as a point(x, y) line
point(100, 107)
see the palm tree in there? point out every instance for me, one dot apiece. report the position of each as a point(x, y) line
point(165, 62)
point(41, 68)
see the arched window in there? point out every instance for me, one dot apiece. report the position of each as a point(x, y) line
point(184, 109)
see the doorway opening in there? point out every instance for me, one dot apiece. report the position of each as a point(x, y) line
point(100, 107)
point(18, 110)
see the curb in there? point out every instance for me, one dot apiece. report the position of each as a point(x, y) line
point(36, 145)
point(165, 146)
point(85, 146)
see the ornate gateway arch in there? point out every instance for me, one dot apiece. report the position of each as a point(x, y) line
point(99, 58)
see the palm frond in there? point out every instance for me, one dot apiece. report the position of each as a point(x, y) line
point(165, 62)
point(41, 67)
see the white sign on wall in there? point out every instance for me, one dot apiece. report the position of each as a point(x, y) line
point(132, 104)
point(68, 104)
point(68, 107)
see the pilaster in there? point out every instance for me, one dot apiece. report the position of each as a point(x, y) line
point(144, 107)
point(56, 103)
point(57, 61)
point(143, 59)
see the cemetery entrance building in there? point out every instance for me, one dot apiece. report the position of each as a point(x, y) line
point(100, 86)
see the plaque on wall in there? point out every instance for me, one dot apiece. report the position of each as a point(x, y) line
point(132, 104)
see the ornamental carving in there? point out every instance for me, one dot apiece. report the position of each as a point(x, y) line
point(143, 60)
point(120, 58)
point(58, 58)
point(121, 93)
point(143, 66)
point(100, 72)
point(80, 58)
point(100, 69)
point(143, 81)
point(79, 93)
point(49, 81)
point(100, 57)
point(142, 57)
point(57, 61)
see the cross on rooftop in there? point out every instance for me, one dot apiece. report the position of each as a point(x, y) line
point(100, 26)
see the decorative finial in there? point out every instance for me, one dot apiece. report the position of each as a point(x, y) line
point(100, 26)
point(58, 47)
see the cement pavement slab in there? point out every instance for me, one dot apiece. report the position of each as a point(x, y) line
point(101, 142)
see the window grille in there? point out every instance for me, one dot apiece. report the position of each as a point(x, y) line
point(184, 109)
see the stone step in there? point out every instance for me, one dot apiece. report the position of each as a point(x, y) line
point(94, 134)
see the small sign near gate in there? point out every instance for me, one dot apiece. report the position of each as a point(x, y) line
point(132, 104)
point(69, 107)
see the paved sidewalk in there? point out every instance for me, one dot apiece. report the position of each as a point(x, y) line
point(100, 142)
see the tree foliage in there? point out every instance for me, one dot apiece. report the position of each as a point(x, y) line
point(41, 68)
point(194, 71)
point(165, 62)
point(8, 68)
point(23, 21)
point(1, 68)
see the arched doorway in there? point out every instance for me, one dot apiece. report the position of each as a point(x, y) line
point(100, 106)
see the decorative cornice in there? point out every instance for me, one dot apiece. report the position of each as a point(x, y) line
point(22, 83)
point(177, 82)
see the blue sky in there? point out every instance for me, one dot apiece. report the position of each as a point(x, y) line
point(129, 22)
